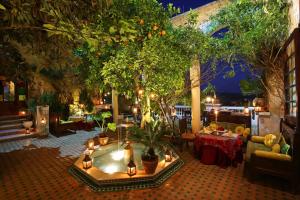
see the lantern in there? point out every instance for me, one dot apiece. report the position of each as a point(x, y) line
point(131, 168)
point(87, 162)
point(135, 110)
point(168, 156)
point(27, 130)
point(22, 113)
point(91, 145)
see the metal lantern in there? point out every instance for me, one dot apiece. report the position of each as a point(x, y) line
point(91, 145)
point(168, 156)
point(131, 168)
point(87, 162)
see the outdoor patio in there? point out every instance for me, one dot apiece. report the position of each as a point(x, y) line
point(38, 169)
point(150, 99)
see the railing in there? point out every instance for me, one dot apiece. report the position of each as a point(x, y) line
point(181, 109)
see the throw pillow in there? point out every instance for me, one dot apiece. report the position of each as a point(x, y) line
point(285, 149)
point(239, 130)
point(246, 132)
point(276, 148)
point(270, 140)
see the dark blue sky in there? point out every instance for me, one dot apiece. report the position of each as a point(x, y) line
point(222, 85)
point(185, 5)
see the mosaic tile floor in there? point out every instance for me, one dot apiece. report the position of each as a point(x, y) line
point(38, 169)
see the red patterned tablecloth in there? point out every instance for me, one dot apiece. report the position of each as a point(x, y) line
point(223, 146)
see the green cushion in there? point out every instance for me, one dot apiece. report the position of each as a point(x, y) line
point(252, 146)
point(285, 149)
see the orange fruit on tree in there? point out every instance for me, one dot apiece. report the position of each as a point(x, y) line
point(163, 32)
point(155, 27)
point(142, 22)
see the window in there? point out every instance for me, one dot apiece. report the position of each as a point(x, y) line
point(290, 81)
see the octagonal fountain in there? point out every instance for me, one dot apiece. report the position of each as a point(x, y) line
point(109, 169)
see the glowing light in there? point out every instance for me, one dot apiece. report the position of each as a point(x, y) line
point(135, 110)
point(110, 169)
point(117, 155)
point(246, 111)
point(152, 95)
point(43, 121)
point(208, 99)
point(216, 112)
point(141, 92)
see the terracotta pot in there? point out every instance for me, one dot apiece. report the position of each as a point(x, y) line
point(103, 140)
point(150, 165)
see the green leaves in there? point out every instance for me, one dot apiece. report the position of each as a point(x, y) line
point(2, 7)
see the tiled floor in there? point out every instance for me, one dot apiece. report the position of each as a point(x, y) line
point(39, 171)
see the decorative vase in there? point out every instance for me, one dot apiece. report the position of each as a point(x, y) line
point(103, 140)
point(150, 165)
point(27, 124)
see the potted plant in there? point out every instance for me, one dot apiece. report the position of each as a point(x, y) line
point(152, 137)
point(103, 137)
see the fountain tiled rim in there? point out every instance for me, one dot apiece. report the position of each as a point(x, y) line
point(128, 184)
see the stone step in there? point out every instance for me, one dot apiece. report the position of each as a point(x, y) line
point(11, 126)
point(18, 136)
point(12, 131)
point(12, 117)
point(12, 121)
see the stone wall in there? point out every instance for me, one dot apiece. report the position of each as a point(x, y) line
point(204, 12)
point(294, 14)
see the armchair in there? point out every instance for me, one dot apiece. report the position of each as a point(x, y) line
point(261, 159)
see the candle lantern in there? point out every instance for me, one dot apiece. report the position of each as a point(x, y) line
point(87, 162)
point(131, 168)
point(91, 145)
point(168, 156)
point(135, 110)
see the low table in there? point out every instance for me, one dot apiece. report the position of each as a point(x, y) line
point(218, 150)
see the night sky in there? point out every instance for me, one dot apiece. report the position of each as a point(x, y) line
point(222, 85)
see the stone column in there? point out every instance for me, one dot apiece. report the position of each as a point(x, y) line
point(115, 106)
point(195, 89)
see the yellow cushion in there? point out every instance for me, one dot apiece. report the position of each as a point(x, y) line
point(239, 130)
point(270, 140)
point(213, 126)
point(257, 139)
point(273, 155)
point(276, 148)
point(246, 132)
